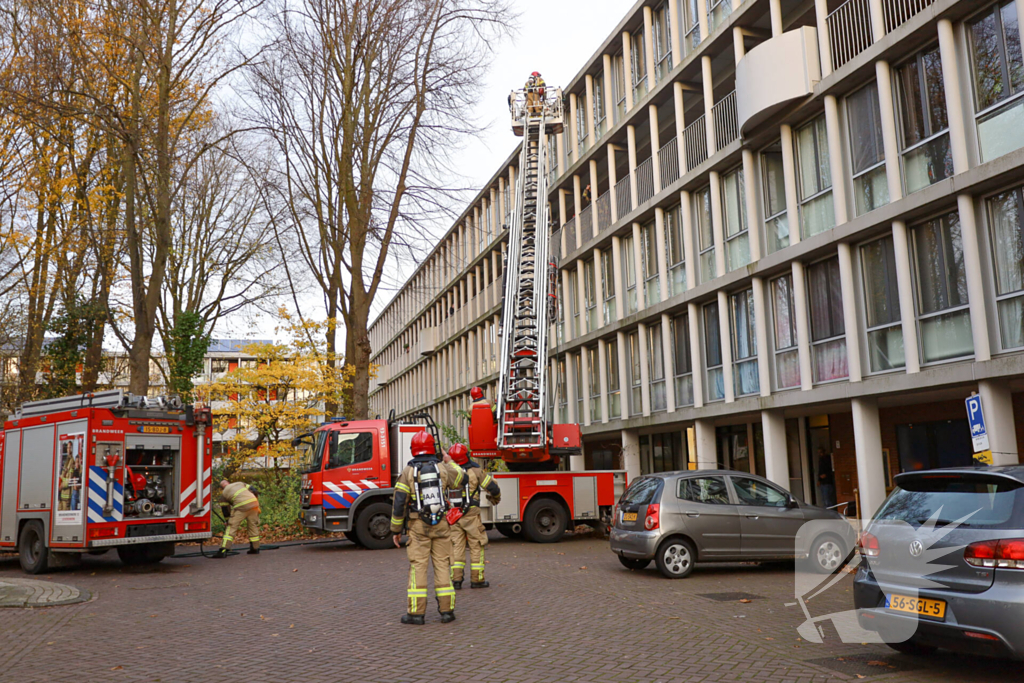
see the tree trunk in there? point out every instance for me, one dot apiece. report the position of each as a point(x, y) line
point(356, 331)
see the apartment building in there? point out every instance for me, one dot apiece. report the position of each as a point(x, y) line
point(791, 239)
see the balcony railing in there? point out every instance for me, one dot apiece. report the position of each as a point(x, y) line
point(668, 160)
point(586, 226)
point(554, 248)
point(623, 202)
point(849, 30)
point(898, 11)
point(604, 210)
point(645, 181)
point(726, 126)
point(695, 144)
point(570, 235)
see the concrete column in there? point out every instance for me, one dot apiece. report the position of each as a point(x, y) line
point(574, 138)
point(717, 227)
point(764, 375)
point(867, 440)
point(666, 352)
point(693, 318)
point(627, 69)
point(609, 99)
point(877, 20)
point(677, 93)
point(602, 377)
point(512, 179)
point(631, 453)
point(652, 116)
point(726, 343)
point(789, 177)
point(620, 292)
point(709, 101)
point(577, 202)
point(889, 141)
point(738, 48)
point(659, 237)
point(581, 296)
point(584, 361)
point(754, 222)
point(689, 253)
point(776, 459)
point(975, 279)
point(631, 143)
point(707, 448)
point(500, 218)
point(645, 375)
point(824, 48)
point(997, 404)
point(570, 386)
point(612, 180)
point(649, 46)
point(622, 346)
point(590, 110)
point(905, 287)
point(702, 19)
point(675, 31)
point(803, 332)
point(848, 284)
point(598, 288)
point(951, 86)
point(775, 12)
point(641, 298)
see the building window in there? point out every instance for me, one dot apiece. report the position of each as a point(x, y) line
point(577, 361)
point(814, 178)
point(608, 285)
point(619, 86)
point(773, 180)
point(629, 273)
point(574, 304)
point(924, 128)
point(882, 305)
point(713, 353)
point(656, 367)
point(219, 366)
point(998, 79)
point(662, 42)
point(744, 343)
point(635, 382)
point(682, 360)
point(590, 294)
point(562, 391)
point(676, 255)
point(1006, 218)
point(638, 62)
point(828, 328)
point(612, 365)
point(599, 112)
point(718, 10)
point(691, 22)
point(581, 122)
point(652, 286)
point(734, 216)
point(594, 383)
point(787, 355)
point(705, 234)
point(943, 318)
point(870, 186)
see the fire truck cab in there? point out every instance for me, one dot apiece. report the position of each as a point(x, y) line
point(83, 474)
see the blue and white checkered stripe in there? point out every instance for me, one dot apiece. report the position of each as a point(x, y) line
point(98, 497)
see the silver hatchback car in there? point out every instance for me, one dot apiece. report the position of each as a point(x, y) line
point(679, 518)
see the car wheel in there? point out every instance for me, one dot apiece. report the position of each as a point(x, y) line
point(545, 521)
point(32, 551)
point(373, 526)
point(827, 554)
point(675, 558)
point(909, 647)
point(630, 563)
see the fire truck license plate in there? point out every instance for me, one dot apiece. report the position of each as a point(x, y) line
point(628, 516)
point(155, 430)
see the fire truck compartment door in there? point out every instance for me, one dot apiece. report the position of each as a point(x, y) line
point(151, 442)
point(584, 493)
point(9, 505)
point(37, 455)
point(507, 510)
point(71, 484)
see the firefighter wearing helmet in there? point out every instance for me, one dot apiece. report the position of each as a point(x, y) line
point(420, 507)
point(240, 504)
point(469, 529)
point(534, 93)
point(476, 394)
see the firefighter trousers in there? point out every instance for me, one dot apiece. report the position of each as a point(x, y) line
point(433, 545)
point(251, 517)
point(469, 530)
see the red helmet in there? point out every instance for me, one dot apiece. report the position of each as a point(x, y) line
point(476, 393)
point(423, 444)
point(459, 453)
point(535, 73)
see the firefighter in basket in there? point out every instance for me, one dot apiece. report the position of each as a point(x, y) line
point(469, 529)
point(239, 504)
point(421, 507)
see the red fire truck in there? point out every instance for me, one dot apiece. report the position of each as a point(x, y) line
point(87, 473)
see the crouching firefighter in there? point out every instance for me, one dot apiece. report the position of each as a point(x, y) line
point(420, 506)
point(240, 505)
point(469, 529)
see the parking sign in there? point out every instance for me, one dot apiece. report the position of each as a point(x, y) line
point(976, 420)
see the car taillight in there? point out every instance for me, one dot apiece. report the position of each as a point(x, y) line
point(1007, 553)
point(653, 520)
point(868, 545)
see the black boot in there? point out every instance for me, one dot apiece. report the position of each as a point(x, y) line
point(447, 617)
point(220, 554)
point(416, 619)
point(479, 584)
point(254, 548)
point(457, 585)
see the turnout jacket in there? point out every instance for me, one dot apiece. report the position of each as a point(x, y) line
point(405, 503)
point(476, 479)
point(239, 496)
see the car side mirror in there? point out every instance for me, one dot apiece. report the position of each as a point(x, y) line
point(791, 503)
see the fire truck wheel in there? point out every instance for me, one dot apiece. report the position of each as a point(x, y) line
point(351, 535)
point(32, 551)
point(373, 526)
point(544, 521)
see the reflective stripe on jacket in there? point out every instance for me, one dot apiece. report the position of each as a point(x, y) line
point(238, 496)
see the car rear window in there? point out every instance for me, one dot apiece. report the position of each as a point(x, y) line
point(985, 502)
point(642, 491)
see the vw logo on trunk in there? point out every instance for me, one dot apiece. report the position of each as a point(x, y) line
point(916, 548)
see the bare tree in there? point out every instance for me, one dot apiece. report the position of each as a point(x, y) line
point(365, 101)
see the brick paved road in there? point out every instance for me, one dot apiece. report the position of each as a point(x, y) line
point(330, 613)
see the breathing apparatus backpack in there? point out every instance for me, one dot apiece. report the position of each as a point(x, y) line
point(429, 492)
